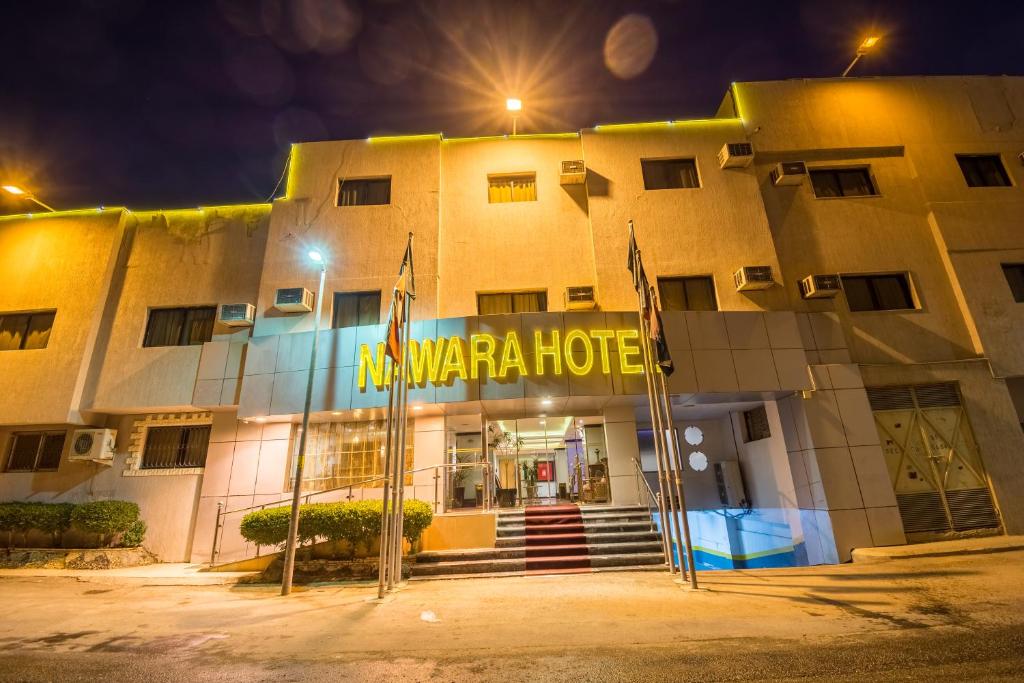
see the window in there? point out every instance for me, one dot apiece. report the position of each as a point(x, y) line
point(669, 174)
point(352, 309)
point(842, 182)
point(35, 451)
point(344, 454)
point(1014, 273)
point(512, 302)
point(983, 170)
point(755, 423)
point(180, 326)
point(519, 187)
point(364, 191)
point(24, 331)
point(170, 447)
point(888, 292)
point(687, 293)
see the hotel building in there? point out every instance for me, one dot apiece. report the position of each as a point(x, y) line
point(840, 263)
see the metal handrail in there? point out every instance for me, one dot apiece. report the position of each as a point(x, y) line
point(488, 494)
point(652, 498)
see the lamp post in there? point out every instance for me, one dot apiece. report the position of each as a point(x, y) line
point(514, 105)
point(300, 460)
point(862, 50)
point(22, 194)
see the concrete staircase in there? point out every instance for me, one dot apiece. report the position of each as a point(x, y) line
point(553, 540)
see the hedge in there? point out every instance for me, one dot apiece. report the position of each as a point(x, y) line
point(110, 519)
point(356, 522)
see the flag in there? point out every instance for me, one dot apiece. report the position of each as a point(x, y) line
point(396, 318)
point(634, 264)
point(657, 333)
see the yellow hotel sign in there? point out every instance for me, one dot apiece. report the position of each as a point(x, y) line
point(445, 359)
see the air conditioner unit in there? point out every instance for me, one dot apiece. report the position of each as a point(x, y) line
point(573, 173)
point(293, 300)
point(736, 155)
point(96, 445)
point(789, 173)
point(579, 298)
point(820, 286)
point(731, 492)
point(753, 277)
point(1021, 157)
point(236, 315)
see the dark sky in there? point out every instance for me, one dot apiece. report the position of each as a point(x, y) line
point(163, 103)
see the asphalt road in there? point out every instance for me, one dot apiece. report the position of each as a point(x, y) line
point(937, 619)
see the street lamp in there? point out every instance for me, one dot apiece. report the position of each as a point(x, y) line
point(22, 194)
point(514, 105)
point(862, 50)
point(300, 461)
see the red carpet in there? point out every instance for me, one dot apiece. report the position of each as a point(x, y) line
point(555, 540)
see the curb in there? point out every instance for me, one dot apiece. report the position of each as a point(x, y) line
point(1000, 544)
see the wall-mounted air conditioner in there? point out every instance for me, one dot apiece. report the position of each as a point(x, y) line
point(236, 315)
point(820, 286)
point(789, 173)
point(753, 277)
point(293, 300)
point(573, 172)
point(96, 445)
point(731, 492)
point(736, 155)
point(580, 298)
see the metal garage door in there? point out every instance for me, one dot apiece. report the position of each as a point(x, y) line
point(933, 460)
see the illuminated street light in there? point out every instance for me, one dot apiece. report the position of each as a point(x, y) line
point(300, 461)
point(862, 50)
point(514, 105)
point(22, 194)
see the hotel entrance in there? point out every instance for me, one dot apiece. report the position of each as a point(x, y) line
point(547, 460)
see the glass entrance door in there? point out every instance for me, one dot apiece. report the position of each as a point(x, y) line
point(545, 460)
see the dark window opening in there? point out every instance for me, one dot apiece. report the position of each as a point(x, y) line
point(35, 451)
point(842, 182)
point(352, 309)
point(755, 423)
point(887, 292)
point(1014, 273)
point(170, 447)
point(687, 293)
point(180, 326)
point(25, 331)
point(512, 302)
point(364, 191)
point(669, 174)
point(983, 170)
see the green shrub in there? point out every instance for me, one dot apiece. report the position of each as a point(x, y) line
point(266, 527)
point(105, 517)
point(417, 516)
point(22, 517)
point(11, 519)
point(133, 536)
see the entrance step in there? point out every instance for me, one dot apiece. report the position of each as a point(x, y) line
point(555, 539)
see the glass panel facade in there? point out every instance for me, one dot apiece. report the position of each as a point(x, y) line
point(344, 454)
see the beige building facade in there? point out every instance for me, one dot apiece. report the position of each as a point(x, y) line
point(877, 405)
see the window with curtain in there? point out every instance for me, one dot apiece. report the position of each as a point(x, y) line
point(885, 292)
point(687, 293)
point(983, 170)
point(669, 174)
point(180, 326)
point(35, 451)
point(842, 182)
point(518, 187)
point(344, 454)
point(352, 309)
point(364, 191)
point(24, 331)
point(512, 302)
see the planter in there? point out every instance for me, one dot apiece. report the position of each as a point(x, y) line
point(55, 558)
point(316, 571)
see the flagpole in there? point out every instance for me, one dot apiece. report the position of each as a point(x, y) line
point(385, 521)
point(402, 446)
point(661, 439)
point(680, 488)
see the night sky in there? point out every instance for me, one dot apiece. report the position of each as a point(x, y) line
point(165, 104)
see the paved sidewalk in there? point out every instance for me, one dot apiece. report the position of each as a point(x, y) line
point(163, 574)
point(963, 546)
